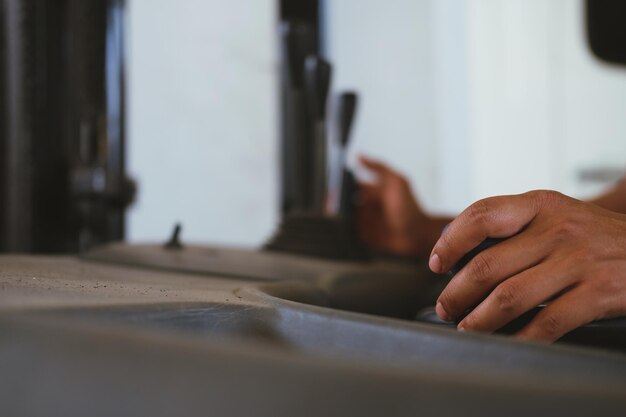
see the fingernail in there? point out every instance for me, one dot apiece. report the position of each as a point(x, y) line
point(435, 263)
point(460, 328)
point(441, 312)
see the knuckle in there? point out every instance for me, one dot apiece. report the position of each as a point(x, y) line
point(480, 212)
point(551, 325)
point(481, 269)
point(565, 229)
point(548, 198)
point(507, 298)
point(603, 297)
point(605, 285)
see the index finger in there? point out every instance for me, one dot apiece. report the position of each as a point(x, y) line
point(495, 217)
point(378, 167)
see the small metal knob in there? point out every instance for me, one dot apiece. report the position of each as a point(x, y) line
point(174, 241)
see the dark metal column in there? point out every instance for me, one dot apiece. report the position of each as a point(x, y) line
point(63, 174)
point(19, 17)
point(3, 105)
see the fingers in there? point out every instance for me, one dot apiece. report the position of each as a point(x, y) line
point(368, 193)
point(599, 295)
point(383, 172)
point(519, 294)
point(562, 250)
point(492, 217)
point(486, 271)
point(573, 309)
point(374, 165)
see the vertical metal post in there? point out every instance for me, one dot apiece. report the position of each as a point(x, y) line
point(18, 19)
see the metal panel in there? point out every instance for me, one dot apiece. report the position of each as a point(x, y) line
point(64, 174)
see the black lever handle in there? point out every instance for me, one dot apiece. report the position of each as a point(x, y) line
point(317, 73)
point(346, 109)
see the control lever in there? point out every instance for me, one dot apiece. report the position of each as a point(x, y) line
point(174, 240)
point(297, 42)
point(317, 74)
point(346, 109)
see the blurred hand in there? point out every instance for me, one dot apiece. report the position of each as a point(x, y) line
point(567, 252)
point(390, 218)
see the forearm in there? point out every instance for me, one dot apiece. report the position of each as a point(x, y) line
point(614, 199)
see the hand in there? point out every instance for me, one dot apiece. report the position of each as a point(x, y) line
point(567, 252)
point(389, 217)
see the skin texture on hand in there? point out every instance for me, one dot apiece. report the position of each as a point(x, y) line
point(559, 250)
point(389, 217)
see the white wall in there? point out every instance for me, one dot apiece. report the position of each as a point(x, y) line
point(509, 48)
point(468, 98)
point(541, 106)
point(384, 52)
point(473, 99)
point(591, 95)
point(202, 119)
point(452, 174)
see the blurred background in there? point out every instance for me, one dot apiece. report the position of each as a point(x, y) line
point(186, 99)
point(468, 99)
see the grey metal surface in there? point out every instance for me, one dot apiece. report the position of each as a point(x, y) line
point(61, 370)
point(86, 338)
point(236, 263)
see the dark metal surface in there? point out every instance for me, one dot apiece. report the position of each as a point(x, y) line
point(318, 236)
point(317, 77)
point(606, 29)
point(61, 369)
point(2, 124)
point(347, 186)
point(299, 32)
point(63, 171)
point(18, 17)
point(297, 41)
point(303, 11)
point(78, 342)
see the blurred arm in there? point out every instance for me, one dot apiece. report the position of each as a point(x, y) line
point(614, 199)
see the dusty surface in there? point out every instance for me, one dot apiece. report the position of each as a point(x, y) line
point(33, 282)
point(234, 263)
